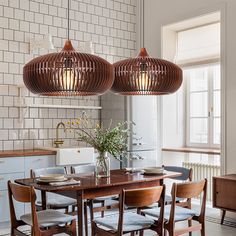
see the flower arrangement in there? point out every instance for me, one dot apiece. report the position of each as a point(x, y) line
point(113, 140)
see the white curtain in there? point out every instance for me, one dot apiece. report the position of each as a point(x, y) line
point(198, 45)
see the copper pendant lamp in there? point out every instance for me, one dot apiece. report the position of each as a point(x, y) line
point(145, 75)
point(68, 73)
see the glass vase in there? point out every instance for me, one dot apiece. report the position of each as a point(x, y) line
point(102, 169)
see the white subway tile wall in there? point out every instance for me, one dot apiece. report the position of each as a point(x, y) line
point(109, 24)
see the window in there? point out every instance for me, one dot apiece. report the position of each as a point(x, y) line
point(203, 105)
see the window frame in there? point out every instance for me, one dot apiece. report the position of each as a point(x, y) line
point(210, 115)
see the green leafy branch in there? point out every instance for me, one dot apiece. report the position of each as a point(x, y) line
point(113, 140)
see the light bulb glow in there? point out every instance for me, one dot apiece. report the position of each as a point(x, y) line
point(143, 80)
point(143, 76)
point(67, 79)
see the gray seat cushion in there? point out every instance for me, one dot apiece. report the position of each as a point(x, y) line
point(132, 222)
point(107, 203)
point(48, 218)
point(168, 198)
point(57, 200)
point(113, 197)
point(180, 213)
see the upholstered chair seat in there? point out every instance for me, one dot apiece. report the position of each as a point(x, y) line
point(48, 218)
point(181, 213)
point(58, 201)
point(132, 222)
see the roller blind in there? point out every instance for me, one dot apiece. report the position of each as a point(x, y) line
point(198, 45)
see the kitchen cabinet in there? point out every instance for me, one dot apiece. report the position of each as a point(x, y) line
point(4, 207)
point(12, 168)
point(12, 165)
point(37, 162)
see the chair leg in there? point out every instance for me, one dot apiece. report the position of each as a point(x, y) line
point(165, 232)
point(203, 229)
point(86, 218)
point(66, 210)
point(141, 232)
point(12, 231)
point(103, 205)
point(73, 228)
point(189, 225)
point(93, 228)
point(170, 231)
point(90, 205)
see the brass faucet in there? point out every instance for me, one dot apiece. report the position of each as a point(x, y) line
point(58, 141)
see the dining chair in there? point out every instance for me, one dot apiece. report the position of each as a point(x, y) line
point(42, 223)
point(174, 213)
point(186, 176)
point(104, 203)
point(54, 201)
point(132, 222)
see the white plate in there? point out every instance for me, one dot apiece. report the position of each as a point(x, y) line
point(154, 170)
point(52, 177)
point(50, 181)
point(153, 173)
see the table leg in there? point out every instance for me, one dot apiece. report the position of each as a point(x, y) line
point(44, 200)
point(80, 213)
point(223, 216)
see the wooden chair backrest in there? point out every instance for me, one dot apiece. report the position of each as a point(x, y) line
point(142, 197)
point(190, 189)
point(22, 193)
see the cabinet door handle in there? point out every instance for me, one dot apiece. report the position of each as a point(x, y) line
point(2, 161)
point(38, 160)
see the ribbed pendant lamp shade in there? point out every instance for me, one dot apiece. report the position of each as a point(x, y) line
point(68, 73)
point(144, 75)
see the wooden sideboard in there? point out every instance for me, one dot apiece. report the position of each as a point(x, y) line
point(224, 193)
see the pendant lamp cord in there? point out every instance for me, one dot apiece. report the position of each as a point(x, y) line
point(68, 18)
point(143, 23)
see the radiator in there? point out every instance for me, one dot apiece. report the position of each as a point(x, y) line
point(201, 171)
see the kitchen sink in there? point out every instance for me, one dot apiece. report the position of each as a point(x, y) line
point(72, 155)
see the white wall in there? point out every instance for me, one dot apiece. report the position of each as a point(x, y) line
point(109, 24)
point(160, 13)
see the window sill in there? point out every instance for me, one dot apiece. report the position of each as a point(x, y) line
point(209, 151)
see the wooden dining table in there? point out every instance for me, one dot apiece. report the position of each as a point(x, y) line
point(91, 187)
